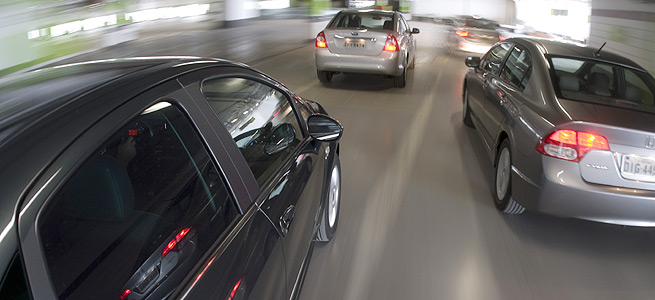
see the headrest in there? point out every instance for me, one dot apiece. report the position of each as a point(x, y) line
point(569, 83)
point(599, 84)
point(632, 93)
point(100, 190)
point(388, 25)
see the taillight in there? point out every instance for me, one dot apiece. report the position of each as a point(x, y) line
point(175, 241)
point(320, 40)
point(391, 44)
point(462, 33)
point(501, 38)
point(571, 145)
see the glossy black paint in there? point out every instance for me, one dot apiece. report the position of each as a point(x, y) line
point(51, 119)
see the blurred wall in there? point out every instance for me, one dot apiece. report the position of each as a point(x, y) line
point(628, 27)
point(499, 10)
point(566, 18)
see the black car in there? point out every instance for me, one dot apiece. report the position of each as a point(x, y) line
point(161, 177)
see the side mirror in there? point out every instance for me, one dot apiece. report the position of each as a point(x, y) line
point(415, 31)
point(324, 128)
point(283, 136)
point(473, 61)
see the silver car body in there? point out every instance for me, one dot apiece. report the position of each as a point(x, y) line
point(360, 49)
point(612, 186)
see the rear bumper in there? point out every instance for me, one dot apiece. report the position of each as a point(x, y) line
point(564, 193)
point(466, 45)
point(387, 63)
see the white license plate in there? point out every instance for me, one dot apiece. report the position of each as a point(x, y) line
point(355, 44)
point(638, 168)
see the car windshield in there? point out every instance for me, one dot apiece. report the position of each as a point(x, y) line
point(603, 83)
point(363, 20)
point(481, 23)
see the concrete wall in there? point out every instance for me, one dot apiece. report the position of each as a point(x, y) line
point(499, 10)
point(628, 27)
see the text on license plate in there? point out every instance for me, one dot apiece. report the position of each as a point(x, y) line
point(638, 168)
point(355, 44)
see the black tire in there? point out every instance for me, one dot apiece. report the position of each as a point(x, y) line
point(466, 111)
point(328, 227)
point(324, 76)
point(413, 65)
point(400, 81)
point(503, 181)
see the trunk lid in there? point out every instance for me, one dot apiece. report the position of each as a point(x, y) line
point(366, 42)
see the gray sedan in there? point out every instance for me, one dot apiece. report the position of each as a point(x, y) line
point(569, 129)
point(366, 41)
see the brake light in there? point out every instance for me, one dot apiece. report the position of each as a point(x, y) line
point(501, 38)
point(175, 241)
point(462, 33)
point(320, 40)
point(571, 145)
point(391, 44)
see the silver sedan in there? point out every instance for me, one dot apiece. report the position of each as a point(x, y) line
point(366, 41)
point(569, 129)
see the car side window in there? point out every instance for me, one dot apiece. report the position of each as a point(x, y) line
point(492, 61)
point(14, 283)
point(260, 119)
point(517, 68)
point(138, 214)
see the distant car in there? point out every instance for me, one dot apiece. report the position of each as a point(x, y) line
point(473, 34)
point(366, 41)
point(161, 178)
point(569, 130)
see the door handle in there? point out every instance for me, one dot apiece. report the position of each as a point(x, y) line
point(286, 218)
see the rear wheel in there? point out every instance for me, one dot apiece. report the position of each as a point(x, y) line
point(503, 182)
point(324, 76)
point(401, 80)
point(330, 218)
point(466, 112)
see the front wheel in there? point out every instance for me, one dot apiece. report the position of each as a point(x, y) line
point(503, 182)
point(330, 218)
point(466, 110)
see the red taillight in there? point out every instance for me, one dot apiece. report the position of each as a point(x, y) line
point(320, 40)
point(391, 44)
point(125, 294)
point(462, 33)
point(501, 38)
point(571, 145)
point(178, 238)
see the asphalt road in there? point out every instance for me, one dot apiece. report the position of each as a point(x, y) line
point(417, 219)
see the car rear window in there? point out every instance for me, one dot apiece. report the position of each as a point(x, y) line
point(363, 20)
point(481, 23)
point(603, 83)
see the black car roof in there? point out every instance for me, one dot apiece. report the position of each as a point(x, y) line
point(551, 47)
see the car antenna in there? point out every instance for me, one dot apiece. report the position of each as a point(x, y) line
point(597, 52)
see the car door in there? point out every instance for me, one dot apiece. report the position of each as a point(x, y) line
point(505, 90)
point(406, 32)
point(288, 168)
point(145, 205)
point(478, 86)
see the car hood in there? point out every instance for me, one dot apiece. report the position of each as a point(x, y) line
point(608, 115)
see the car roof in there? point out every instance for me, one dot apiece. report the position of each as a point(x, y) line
point(550, 47)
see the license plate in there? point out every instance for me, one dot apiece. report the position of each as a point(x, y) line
point(355, 44)
point(638, 168)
